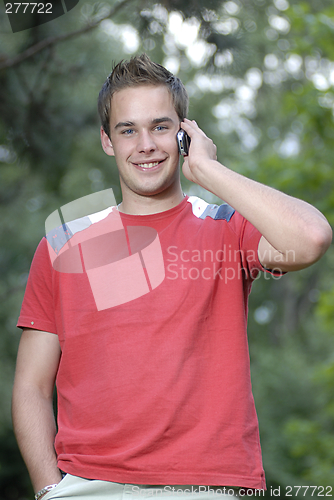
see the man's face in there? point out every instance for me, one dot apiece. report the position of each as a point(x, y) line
point(143, 128)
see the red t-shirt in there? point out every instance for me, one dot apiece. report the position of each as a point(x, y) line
point(154, 388)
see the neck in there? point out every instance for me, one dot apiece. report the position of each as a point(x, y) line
point(136, 204)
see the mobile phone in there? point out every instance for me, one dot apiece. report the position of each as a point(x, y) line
point(183, 141)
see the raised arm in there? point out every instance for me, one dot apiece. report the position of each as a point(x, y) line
point(294, 233)
point(32, 408)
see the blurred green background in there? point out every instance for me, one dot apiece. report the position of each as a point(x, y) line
point(260, 74)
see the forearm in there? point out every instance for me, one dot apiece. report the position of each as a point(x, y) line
point(295, 234)
point(286, 222)
point(35, 430)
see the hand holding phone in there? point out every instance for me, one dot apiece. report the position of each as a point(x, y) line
point(183, 141)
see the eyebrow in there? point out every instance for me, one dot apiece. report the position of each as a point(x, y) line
point(124, 124)
point(162, 120)
point(155, 121)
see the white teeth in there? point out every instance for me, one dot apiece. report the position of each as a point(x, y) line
point(148, 165)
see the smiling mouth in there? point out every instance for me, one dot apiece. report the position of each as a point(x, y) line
point(149, 165)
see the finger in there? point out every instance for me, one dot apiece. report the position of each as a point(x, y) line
point(191, 126)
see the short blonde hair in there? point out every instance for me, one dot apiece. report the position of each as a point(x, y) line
point(140, 70)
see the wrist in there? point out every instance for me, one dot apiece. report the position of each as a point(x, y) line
point(40, 494)
point(206, 174)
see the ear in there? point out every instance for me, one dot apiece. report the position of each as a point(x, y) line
point(106, 143)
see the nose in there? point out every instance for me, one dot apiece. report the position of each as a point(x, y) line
point(146, 143)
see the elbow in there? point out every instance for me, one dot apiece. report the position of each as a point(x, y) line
point(319, 240)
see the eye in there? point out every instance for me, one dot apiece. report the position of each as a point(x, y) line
point(160, 127)
point(128, 131)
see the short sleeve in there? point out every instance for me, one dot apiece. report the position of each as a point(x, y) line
point(249, 243)
point(37, 309)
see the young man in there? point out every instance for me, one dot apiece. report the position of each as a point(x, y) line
point(154, 389)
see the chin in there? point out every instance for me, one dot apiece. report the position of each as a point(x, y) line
point(153, 190)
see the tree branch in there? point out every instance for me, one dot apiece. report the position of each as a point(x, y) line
point(48, 42)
